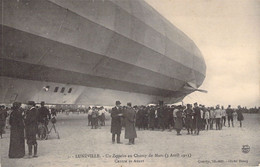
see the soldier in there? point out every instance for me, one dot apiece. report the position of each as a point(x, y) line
point(152, 118)
point(145, 118)
point(139, 118)
point(130, 132)
point(116, 125)
point(178, 122)
point(31, 128)
point(230, 115)
point(218, 116)
point(197, 118)
point(212, 117)
point(94, 118)
point(188, 121)
point(161, 115)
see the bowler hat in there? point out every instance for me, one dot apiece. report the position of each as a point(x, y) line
point(118, 102)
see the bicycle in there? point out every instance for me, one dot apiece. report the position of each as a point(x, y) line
point(42, 131)
point(53, 121)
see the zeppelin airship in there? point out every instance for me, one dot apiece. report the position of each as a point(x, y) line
point(94, 52)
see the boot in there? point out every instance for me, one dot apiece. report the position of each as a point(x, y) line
point(35, 150)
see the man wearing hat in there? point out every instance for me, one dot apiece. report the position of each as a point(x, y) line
point(31, 128)
point(116, 125)
point(197, 118)
point(130, 132)
point(44, 115)
point(17, 145)
point(230, 115)
point(161, 115)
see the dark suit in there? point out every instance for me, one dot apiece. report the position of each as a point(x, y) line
point(43, 114)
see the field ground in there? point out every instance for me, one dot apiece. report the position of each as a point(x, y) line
point(80, 145)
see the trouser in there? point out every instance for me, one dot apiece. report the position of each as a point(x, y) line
point(224, 120)
point(230, 118)
point(218, 124)
point(161, 123)
point(89, 120)
point(132, 141)
point(117, 137)
point(207, 124)
point(34, 146)
point(240, 123)
point(190, 130)
point(211, 120)
point(94, 122)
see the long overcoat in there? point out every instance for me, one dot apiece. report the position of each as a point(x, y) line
point(17, 145)
point(130, 132)
point(116, 125)
point(188, 119)
point(152, 118)
point(197, 118)
point(240, 116)
point(178, 122)
point(31, 126)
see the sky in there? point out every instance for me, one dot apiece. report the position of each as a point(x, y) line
point(227, 32)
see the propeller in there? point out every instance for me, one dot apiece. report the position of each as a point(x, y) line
point(192, 86)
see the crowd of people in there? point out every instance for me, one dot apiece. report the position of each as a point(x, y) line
point(24, 125)
point(193, 118)
point(96, 117)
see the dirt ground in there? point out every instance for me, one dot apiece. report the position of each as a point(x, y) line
point(81, 146)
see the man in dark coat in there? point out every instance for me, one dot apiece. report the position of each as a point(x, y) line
point(116, 125)
point(17, 145)
point(197, 118)
point(188, 120)
point(44, 115)
point(178, 122)
point(161, 116)
point(31, 128)
point(152, 118)
point(240, 116)
point(145, 119)
point(139, 118)
point(130, 132)
point(230, 115)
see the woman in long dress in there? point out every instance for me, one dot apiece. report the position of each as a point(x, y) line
point(17, 144)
